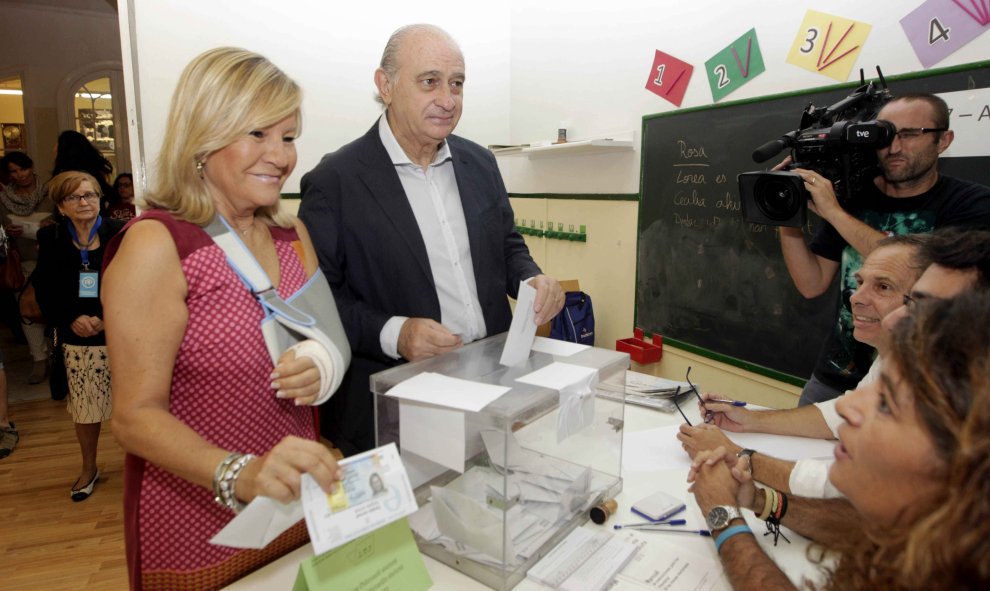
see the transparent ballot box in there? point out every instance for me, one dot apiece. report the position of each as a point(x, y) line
point(499, 487)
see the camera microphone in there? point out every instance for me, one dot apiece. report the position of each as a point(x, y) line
point(773, 147)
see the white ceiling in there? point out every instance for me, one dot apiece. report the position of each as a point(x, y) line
point(99, 6)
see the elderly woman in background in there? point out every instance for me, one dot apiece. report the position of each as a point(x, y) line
point(66, 281)
point(913, 458)
point(23, 207)
point(207, 422)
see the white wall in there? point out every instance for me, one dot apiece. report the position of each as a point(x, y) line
point(46, 46)
point(331, 49)
point(532, 66)
point(587, 64)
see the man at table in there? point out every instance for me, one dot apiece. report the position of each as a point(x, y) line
point(957, 261)
point(414, 230)
point(909, 196)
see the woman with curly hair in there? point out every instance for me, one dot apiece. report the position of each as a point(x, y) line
point(913, 459)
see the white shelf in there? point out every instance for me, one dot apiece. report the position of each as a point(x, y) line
point(578, 148)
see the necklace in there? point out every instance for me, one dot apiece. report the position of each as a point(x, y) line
point(244, 231)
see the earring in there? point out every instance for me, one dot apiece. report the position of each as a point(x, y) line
point(200, 165)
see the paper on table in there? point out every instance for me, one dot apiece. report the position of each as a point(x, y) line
point(557, 348)
point(434, 388)
point(262, 521)
point(433, 433)
point(667, 565)
point(654, 449)
point(523, 328)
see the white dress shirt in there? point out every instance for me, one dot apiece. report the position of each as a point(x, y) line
point(809, 478)
point(436, 204)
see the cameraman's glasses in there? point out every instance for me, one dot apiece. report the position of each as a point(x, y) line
point(913, 133)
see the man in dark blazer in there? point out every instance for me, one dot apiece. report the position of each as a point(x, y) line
point(414, 231)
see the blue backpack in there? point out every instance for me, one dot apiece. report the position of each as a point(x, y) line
point(576, 321)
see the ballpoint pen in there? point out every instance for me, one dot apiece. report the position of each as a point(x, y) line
point(731, 402)
point(697, 532)
point(650, 524)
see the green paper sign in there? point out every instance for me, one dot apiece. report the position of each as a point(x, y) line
point(735, 65)
point(386, 559)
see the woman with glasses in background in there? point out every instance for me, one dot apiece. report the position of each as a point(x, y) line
point(67, 283)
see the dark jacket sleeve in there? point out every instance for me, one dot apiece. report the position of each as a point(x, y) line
point(321, 211)
point(47, 275)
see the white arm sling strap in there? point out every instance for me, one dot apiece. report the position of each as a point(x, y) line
point(310, 313)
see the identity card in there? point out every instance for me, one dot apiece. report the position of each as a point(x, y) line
point(373, 492)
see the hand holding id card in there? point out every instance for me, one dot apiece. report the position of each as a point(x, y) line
point(373, 492)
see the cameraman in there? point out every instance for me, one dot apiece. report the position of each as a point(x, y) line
point(909, 196)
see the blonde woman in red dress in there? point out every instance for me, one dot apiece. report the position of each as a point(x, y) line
point(197, 403)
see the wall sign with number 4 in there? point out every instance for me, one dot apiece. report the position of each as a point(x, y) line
point(939, 28)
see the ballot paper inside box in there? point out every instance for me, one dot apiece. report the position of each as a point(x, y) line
point(504, 462)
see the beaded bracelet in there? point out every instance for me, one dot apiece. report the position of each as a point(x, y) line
point(225, 479)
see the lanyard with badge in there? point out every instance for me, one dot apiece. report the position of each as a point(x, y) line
point(89, 281)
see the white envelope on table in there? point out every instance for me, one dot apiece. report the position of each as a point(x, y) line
point(263, 520)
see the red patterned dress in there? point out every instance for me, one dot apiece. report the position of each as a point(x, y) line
point(221, 389)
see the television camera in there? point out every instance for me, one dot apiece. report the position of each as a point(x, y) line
point(839, 142)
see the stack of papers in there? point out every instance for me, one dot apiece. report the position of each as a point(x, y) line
point(645, 390)
point(586, 560)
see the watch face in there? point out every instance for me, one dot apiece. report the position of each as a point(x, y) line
point(718, 517)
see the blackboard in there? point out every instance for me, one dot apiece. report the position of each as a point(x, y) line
point(714, 284)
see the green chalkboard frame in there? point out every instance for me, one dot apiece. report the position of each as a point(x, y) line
point(645, 162)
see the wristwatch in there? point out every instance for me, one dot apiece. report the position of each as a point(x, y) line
point(720, 515)
point(746, 452)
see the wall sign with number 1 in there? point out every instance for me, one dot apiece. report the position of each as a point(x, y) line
point(669, 77)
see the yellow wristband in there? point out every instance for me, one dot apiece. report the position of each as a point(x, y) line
point(767, 504)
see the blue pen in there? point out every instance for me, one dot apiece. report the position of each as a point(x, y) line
point(732, 402)
point(650, 524)
point(697, 532)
